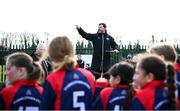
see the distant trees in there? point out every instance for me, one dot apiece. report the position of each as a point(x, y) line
point(25, 39)
point(7, 39)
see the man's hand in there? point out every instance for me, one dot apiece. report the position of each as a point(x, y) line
point(77, 27)
point(116, 51)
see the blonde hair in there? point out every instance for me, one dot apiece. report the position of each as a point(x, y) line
point(61, 52)
point(20, 59)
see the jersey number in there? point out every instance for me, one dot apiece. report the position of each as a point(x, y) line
point(77, 104)
point(28, 108)
point(116, 108)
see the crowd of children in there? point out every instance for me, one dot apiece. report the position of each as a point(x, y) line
point(147, 81)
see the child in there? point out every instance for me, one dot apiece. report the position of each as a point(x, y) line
point(68, 87)
point(150, 75)
point(169, 54)
point(112, 98)
point(100, 84)
point(23, 92)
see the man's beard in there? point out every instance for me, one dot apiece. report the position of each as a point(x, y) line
point(100, 31)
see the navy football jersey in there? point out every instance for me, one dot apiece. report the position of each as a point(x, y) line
point(111, 98)
point(99, 86)
point(22, 95)
point(68, 90)
point(153, 96)
point(178, 80)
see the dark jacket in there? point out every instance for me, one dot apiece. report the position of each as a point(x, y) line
point(80, 63)
point(46, 63)
point(47, 66)
point(100, 49)
point(34, 57)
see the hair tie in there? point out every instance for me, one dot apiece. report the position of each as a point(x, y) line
point(34, 64)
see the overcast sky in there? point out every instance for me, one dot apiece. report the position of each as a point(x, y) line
point(126, 19)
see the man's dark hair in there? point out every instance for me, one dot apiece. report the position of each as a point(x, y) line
point(104, 25)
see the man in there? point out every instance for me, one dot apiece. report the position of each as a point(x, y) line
point(39, 56)
point(40, 50)
point(80, 61)
point(102, 44)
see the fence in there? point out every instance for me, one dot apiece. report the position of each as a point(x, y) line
point(80, 49)
point(4, 51)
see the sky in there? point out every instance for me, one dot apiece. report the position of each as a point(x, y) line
point(127, 20)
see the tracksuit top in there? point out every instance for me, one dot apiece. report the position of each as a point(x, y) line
point(99, 85)
point(178, 84)
point(111, 98)
point(68, 90)
point(153, 96)
point(21, 95)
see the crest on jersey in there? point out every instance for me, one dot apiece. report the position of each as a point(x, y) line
point(75, 76)
point(165, 94)
point(28, 92)
point(123, 92)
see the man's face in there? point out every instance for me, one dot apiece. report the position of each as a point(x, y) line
point(40, 50)
point(101, 29)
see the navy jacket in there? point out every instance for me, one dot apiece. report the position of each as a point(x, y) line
point(68, 90)
point(153, 96)
point(22, 95)
point(178, 83)
point(111, 98)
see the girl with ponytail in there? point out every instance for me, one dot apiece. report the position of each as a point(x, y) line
point(112, 98)
point(22, 74)
point(169, 54)
point(68, 87)
point(156, 82)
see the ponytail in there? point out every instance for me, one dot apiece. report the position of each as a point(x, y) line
point(36, 73)
point(171, 86)
point(128, 100)
point(67, 63)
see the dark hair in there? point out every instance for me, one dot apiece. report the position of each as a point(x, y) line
point(154, 65)
point(178, 59)
point(161, 71)
point(104, 25)
point(171, 86)
point(124, 70)
point(20, 59)
point(128, 100)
